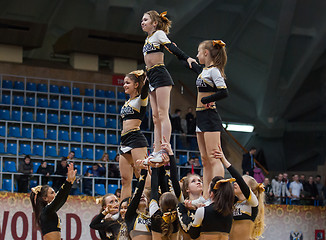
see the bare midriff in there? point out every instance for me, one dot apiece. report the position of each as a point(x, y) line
point(153, 59)
point(200, 95)
point(130, 124)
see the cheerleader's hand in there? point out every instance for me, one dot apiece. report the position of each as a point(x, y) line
point(165, 145)
point(71, 174)
point(140, 164)
point(208, 105)
point(189, 205)
point(190, 61)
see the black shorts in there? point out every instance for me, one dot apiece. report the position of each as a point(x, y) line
point(159, 76)
point(131, 140)
point(208, 120)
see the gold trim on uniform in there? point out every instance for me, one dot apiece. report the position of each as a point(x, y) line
point(154, 66)
point(204, 108)
point(130, 130)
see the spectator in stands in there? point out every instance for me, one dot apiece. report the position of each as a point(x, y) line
point(248, 162)
point(46, 171)
point(286, 180)
point(191, 122)
point(258, 175)
point(269, 195)
point(276, 185)
point(296, 189)
point(95, 171)
point(311, 191)
point(26, 168)
point(302, 179)
point(70, 156)
point(118, 193)
point(176, 121)
point(105, 158)
point(320, 187)
point(62, 169)
point(284, 191)
point(113, 169)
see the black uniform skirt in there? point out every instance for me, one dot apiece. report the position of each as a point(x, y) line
point(159, 76)
point(132, 139)
point(208, 120)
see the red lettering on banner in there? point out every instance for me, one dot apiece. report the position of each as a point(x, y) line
point(117, 80)
point(4, 225)
point(14, 226)
point(35, 228)
point(70, 216)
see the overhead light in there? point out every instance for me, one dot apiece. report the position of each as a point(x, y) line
point(238, 127)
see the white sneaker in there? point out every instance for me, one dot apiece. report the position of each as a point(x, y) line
point(145, 162)
point(157, 158)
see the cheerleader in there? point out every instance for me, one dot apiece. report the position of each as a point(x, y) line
point(157, 26)
point(46, 203)
point(248, 211)
point(133, 142)
point(110, 224)
point(211, 87)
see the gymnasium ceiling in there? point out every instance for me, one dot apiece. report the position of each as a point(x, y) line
point(276, 65)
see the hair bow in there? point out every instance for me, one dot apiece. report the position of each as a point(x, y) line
point(218, 183)
point(138, 73)
point(261, 187)
point(170, 216)
point(218, 42)
point(163, 16)
point(37, 189)
point(183, 179)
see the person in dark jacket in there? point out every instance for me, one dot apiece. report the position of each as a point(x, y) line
point(45, 170)
point(26, 168)
point(248, 162)
point(62, 170)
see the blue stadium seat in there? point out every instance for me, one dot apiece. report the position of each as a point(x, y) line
point(9, 166)
point(30, 101)
point(63, 136)
point(88, 121)
point(31, 86)
point(99, 122)
point(99, 153)
point(5, 114)
point(2, 148)
point(26, 132)
point(51, 151)
point(89, 92)
point(66, 104)
point(7, 185)
point(121, 95)
point(12, 148)
point(64, 118)
point(38, 150)
point(65, 90)
point(111, 108)
point(33, 183)
point(40, 117)
point(112, 139)
point(88, 153)
point(100, 138)
point(100, 93)
point(99, 189)
point(182, 159)
point(36, 165)
point(14, 132)
point(28, 117)
point(85, 168)
point(50, 183)
point(38, 133)
point(2, 130)
point(88, 106)
point(77, 151)
point(100, 107)
point(52, 134)
point(7, 84)
point(54, 88)
point(41, 87)
point(77, 120)
point(42, 102)
point(75, 91)
point(25, 149)
point(18, 100)
point(64, 151)
point(88, 137)
point(6, 99)
point(112, 188)
point(15, 115)
point(54, 103)
point(75, 136)
point(77, 106)
point(19, 85)
point(112, 154)
point(109, 94)
point(53, 118)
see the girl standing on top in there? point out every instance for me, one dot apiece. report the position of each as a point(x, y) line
point(157, 27)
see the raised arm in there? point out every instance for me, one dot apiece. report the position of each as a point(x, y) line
point(153, 206)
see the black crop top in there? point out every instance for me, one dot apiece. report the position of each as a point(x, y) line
point(135, 220)
point(109, 230)
point(50, 222)
point(247, 209)
point(136, 108)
